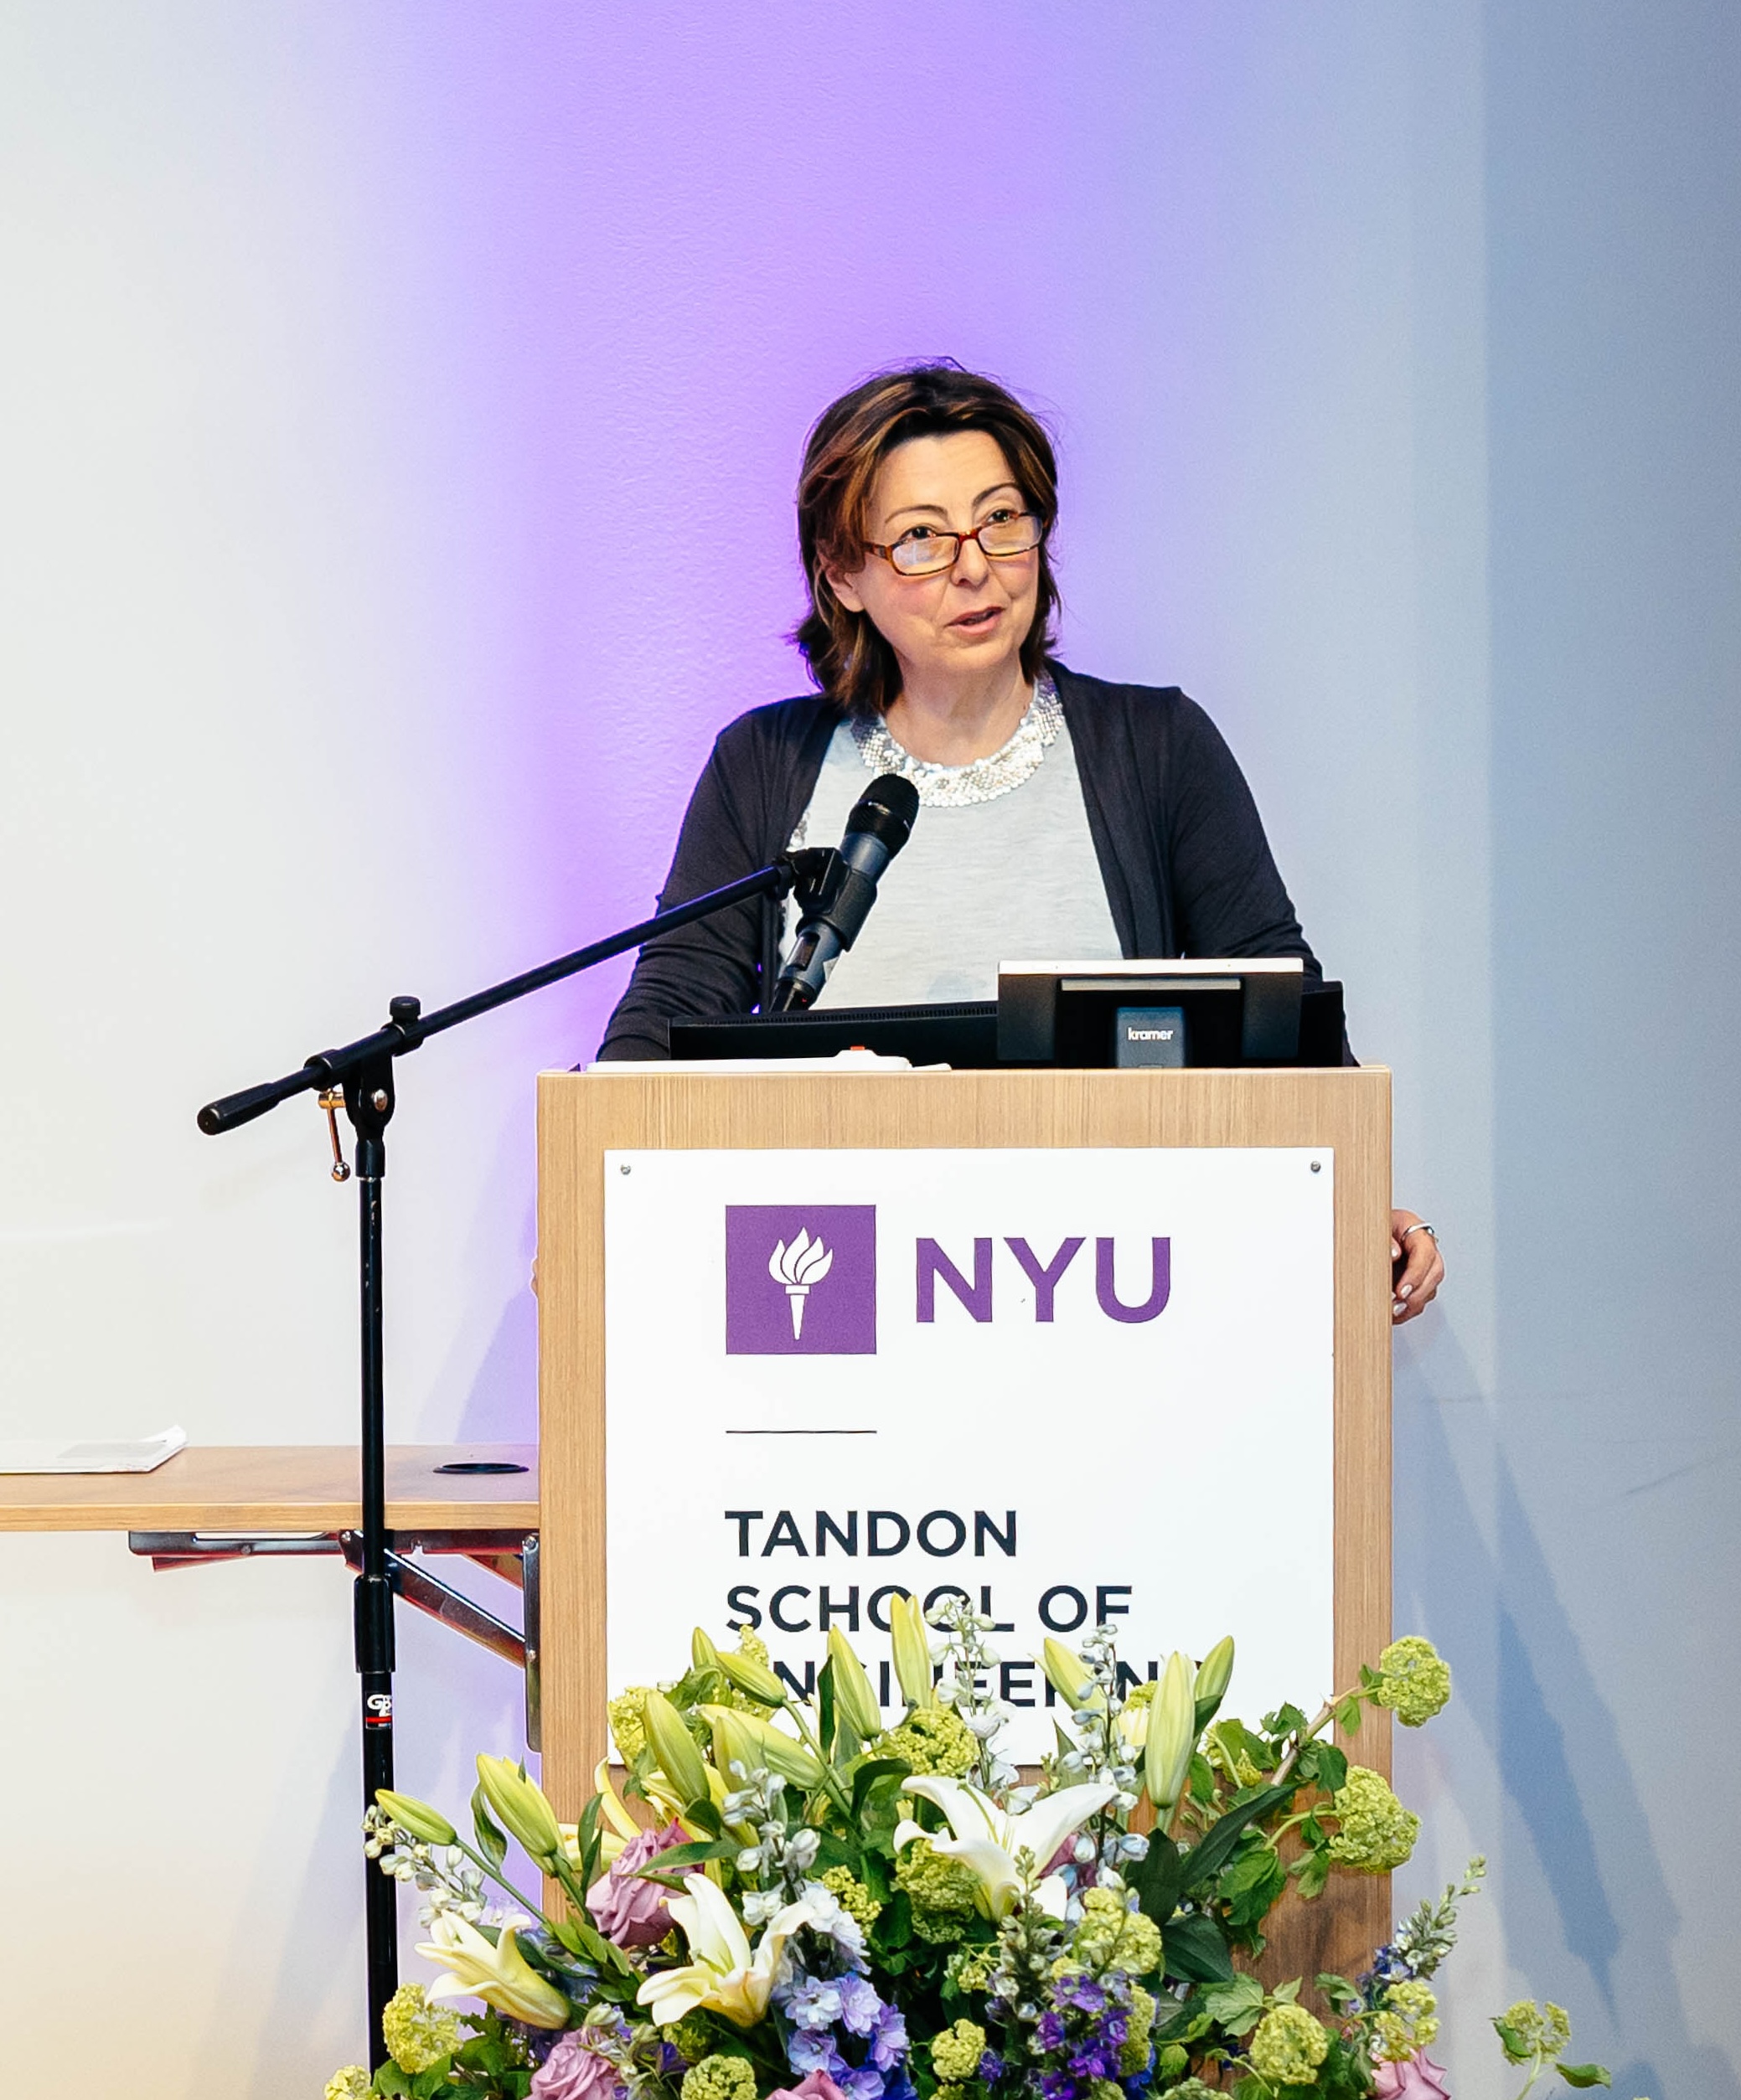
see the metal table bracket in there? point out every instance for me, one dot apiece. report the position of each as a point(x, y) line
point(511, 1555)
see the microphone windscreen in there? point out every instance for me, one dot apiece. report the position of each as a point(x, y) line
point(886, 811)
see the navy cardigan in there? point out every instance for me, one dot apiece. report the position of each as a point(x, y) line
point(1181, 848)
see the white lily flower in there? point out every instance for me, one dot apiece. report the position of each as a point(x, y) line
point(723, 1977)
point(988, 1838)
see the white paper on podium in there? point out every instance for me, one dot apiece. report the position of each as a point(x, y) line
point(55, 1455)
point(829, 1374)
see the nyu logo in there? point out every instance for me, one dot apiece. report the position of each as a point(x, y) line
point(934, 1266)
point(801, 1280)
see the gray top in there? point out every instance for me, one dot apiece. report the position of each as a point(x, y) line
point(1001, 864)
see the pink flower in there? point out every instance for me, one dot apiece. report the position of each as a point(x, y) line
point(815, 2085)
point(572, 2071)
point(1416, 2077)
point(625, 1908)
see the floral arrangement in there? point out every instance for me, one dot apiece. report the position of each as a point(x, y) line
point(811, 1904)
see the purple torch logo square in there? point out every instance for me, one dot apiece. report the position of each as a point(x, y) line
point(801, 1279)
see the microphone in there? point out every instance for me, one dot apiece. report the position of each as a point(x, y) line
point(880, 824)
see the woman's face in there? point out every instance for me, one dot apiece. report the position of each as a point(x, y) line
point(969, 620)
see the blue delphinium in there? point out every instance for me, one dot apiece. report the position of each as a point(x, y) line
point(830, 2004)
point(1080, 2035)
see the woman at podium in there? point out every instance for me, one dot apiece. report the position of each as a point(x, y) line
point(1059, 814)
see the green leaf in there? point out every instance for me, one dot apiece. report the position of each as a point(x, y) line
point(1336, 1989)
point(1348, 1715)
point(867, 1775)
point(491, 1843)
point(1514, 2044)
point(1159, 1877)
point(1237, 2005)
point(1211, 1854)
point(667, 1865)
point(1195, 1952)
point(707, 1817)
point(1310, 1873)
point(1251, 1884)
point(825, 1708)
point(389, 2078)
point(590, 1843)
point(1583, 2074)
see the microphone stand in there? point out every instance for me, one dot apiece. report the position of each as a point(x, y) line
point(362, 1072)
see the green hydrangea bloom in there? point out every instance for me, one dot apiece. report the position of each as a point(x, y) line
point(1406, 2021)
point(955, 2053)
point(1377, 1832)
point(969, 1968)
point(1288, 2047)
point(720, 2078)
point(628, 1728)
point(932, 1739)
point(1111, 1936)
point(418, 2036)
point(352, 2083)
point(1546, 2029)
point(943, 1892)
point(689, 2036)
point(855, 1898)
point(1416, 1680)
point(1193, 2089)
point(1133, 2055)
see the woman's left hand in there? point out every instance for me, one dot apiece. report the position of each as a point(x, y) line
point(1417, 1269)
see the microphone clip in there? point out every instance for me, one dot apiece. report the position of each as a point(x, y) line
point(830, 892)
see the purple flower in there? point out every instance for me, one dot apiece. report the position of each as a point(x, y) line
point(1416, 2077)
point(627, 1909)
point(818, 2086)
point(860, 2008)
point(888, 2039)
point(809, 2051)
point(813, 2002)
point(571, 2072)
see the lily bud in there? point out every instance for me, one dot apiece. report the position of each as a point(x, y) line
point(520, 1806)
point(911, 1638)
point(853, 1698)
point(1172, 1733)
point(732, 1741)
point(675, 1747)
point(755, 1678)
point(1215, 1673)
point(703, 1654)
point(1069, 1676)
point(429, 1826)
point(779, 1754)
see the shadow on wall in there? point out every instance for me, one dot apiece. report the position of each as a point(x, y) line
point(1597, 1886)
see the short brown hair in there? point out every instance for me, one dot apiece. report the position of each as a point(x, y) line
point(847, 659)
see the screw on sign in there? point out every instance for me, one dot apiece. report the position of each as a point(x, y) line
point(799, 1266)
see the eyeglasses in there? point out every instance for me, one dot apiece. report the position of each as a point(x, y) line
point(924, 551)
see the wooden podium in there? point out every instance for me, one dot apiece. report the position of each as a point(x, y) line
point(693, 1108)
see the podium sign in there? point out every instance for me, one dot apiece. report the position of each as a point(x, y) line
point(1070, 1384)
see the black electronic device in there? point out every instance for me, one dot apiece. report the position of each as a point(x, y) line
point(966, 1034)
